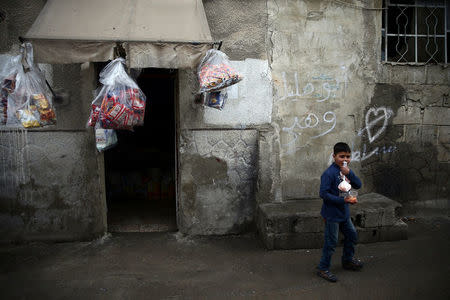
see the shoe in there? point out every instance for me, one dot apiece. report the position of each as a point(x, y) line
point(327, 275)
point(354, 264)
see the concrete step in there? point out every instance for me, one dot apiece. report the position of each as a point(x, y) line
point(298, 224)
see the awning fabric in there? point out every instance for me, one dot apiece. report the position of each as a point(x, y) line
point(154, 33)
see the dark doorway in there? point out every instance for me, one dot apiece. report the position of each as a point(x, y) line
point(140, 171)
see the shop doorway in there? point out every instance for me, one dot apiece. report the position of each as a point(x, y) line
point(140, 172)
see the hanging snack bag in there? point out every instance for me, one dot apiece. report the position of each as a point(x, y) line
point(9, 66)
point(30, 104)
point(120, 104)
point(215, 72)
point(216, 99)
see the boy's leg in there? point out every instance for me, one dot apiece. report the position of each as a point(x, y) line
point(350, 239)
point(330, 242)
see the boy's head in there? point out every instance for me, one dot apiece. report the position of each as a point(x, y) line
point(341, 153)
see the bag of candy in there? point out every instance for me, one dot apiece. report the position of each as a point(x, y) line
point(9, 66)
point(120, 104)
point(215, 72)
point(30, 103)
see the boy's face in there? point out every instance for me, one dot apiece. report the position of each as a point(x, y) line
point(340, 157)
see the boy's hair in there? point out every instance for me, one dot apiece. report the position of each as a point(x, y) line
point(341, 147)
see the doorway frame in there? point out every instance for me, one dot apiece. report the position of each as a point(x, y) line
point(101, 156)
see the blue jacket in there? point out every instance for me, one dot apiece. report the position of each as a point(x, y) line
point(334, 209)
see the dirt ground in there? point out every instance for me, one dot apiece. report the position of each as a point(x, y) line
point(172, 266)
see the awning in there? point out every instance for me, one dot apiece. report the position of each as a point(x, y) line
point(154, 33)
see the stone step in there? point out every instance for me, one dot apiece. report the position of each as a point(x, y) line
point(298, 224)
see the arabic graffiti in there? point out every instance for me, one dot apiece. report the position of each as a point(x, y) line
point(328, 87)
point(321, 88)
point(309, 121)
point(363, 155)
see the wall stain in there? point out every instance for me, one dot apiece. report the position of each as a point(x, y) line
point(208, 170)
point(412, 172)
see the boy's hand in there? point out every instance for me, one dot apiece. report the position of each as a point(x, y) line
point(345, 170)
point(351, 200)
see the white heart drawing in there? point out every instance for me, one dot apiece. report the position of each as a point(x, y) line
point(386, 113)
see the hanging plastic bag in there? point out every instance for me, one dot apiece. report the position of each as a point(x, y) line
point(120, 104)
point(9, 66)
point(215, 72)
point(216, 99)
point(105, 138)
point(30, 105)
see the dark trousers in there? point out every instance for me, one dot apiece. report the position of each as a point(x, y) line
point(331, 238)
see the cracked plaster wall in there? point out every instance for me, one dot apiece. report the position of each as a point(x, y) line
point(218, 181)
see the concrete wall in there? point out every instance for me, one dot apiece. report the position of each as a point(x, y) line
point(330, 86)
point(51, 187)
point(312, 77)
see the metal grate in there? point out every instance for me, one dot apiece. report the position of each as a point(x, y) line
point(416, 31)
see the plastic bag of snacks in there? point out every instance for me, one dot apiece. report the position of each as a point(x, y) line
point(120, 104)
point(30, 103)
point(216, 99)
point(215, 72)
point(105, 138)
point(9, 66)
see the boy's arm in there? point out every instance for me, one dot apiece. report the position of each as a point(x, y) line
point(325, 185)
point(354, 180)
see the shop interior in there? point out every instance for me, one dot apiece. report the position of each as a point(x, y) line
point(140, 171)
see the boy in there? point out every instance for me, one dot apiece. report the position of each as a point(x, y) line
point(335, 211)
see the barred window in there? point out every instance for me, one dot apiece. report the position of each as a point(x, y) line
point(416, 31)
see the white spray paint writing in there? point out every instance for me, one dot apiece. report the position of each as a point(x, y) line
point(356, 155)
point(363, 155)
point(376, 118)
point(310, 121)
point(329, 88)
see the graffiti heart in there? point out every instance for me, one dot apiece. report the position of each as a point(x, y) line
point(376, 121)
point(376, 118)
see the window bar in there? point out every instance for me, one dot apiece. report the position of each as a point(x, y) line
point(434, 35)
point(402, 56)
point(386, 31)
point(415, 33)
point(446, 31)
